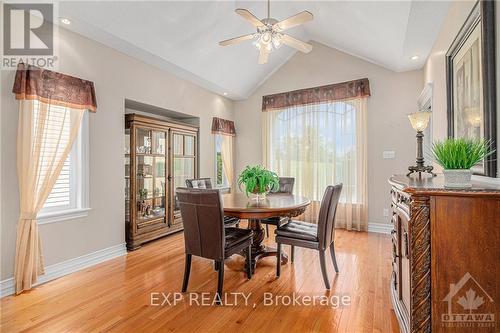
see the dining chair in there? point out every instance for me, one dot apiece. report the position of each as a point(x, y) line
point(206, 183)
point(206, 236)
point(285, 187)
point(318, 237)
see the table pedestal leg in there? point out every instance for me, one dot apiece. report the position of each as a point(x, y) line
point(259, 250)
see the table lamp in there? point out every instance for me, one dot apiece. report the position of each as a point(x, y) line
point(419, 121)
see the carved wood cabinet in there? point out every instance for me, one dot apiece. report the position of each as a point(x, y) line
point(159, 157)
point(446, 256)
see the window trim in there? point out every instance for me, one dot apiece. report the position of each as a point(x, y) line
point(80, 207)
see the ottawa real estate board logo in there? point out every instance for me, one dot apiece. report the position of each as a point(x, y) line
point(28, 35)
point(468, 305)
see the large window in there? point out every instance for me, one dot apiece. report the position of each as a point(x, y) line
point(69, 196)
point(320, 145)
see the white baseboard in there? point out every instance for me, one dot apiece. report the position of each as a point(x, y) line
point(69, 266)
point(381, 228)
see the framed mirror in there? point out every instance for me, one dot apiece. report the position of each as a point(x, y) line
point(470, 82)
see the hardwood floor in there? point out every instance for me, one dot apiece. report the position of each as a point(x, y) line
point(115, 296)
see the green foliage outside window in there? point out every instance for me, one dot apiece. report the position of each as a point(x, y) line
point(220, 179)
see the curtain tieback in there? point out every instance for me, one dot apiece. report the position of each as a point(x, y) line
point(28, 216)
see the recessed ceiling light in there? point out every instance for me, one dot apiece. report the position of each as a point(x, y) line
point(65, 21)
point(225, 94)
point(415, 57)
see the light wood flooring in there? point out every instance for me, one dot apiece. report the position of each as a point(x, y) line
point(115, 296)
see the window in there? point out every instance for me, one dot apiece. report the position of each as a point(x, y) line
point(220, 174)
point(318, 145)
point(69, 196)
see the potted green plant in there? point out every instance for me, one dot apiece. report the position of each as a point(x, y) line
point(457, 156)
point(258, 180)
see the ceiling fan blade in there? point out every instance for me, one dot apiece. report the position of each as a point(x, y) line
point(236, 40)
point(294, 20)
point(296, 44)
point(263, 55)
point(249, 17)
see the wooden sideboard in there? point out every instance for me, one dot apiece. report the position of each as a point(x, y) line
point(446, 255)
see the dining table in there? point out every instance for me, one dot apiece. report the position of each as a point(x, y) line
point(254, 210)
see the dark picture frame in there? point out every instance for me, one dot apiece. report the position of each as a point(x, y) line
point(483, 16)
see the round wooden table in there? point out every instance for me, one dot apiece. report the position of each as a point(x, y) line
point(283, 205)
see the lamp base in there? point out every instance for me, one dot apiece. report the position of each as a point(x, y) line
point(420, 169)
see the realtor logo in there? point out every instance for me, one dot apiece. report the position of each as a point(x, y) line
point(28, 29)
point(468, 305)
point(28, 34)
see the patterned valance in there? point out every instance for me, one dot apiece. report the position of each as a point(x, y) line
point(223, 126)
point(54, 88)
point(331, 92)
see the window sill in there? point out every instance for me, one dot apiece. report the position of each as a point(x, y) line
point(69, 214)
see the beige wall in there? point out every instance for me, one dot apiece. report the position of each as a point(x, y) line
point(394, 95)
point(116, 77)
point(435, 70)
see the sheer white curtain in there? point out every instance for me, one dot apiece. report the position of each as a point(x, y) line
point(322, 144)
point(44, 139)
point(227, 157)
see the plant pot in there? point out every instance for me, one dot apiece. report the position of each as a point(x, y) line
point(260, 195)
point(457, 178)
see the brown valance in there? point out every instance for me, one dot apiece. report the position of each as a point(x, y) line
point(223, 126)
point(331, 92)
point(50, 87)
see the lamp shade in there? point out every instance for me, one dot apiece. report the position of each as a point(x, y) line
point(419, 120)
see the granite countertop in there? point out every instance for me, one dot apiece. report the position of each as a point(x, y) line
point(428, 185)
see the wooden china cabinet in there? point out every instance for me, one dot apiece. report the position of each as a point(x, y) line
point(159, 157)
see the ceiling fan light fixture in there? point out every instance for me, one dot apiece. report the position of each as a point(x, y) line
point(269, 35)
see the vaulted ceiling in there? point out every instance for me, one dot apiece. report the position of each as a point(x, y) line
point(182, 37)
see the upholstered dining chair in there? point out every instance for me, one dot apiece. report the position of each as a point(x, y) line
point(285, 186)
point(318, 237)
point(206, 183)
point(205, 234)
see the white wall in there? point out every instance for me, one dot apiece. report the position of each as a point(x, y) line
point(435, 67)
point(116, 77)
point(394, 95)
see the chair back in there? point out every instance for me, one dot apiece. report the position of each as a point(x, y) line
point(203, 219)
point(326, 218)
point(285, 185)
point(202, 183)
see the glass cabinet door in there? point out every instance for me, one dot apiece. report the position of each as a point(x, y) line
point(151, 177)
point(127, 175)
point(184, 162)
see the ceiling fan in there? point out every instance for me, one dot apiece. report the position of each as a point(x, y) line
point(270, 34)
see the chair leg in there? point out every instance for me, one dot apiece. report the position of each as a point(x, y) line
point(278, 260)
point(220, 282)
point(323, 268)
point(238, 225)
point(187, 271)
point(334, 259)
point(292, 254)
point(267, 230)
point(249, 262)
point(216, 265)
